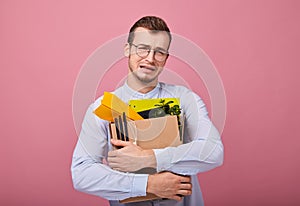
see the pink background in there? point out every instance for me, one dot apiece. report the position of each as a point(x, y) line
point(254, 44)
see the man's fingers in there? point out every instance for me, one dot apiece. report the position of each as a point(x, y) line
point(112, 154)
point(177, 198)
point(184, 189)
point(119, 143)
point(186, 179)
point(184, 192)
point(113, 164)
point(186, 186)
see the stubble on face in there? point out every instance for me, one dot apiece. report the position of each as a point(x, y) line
point(144, 78)
point(145, 71)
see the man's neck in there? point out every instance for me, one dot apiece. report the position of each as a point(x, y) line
point(141, 87)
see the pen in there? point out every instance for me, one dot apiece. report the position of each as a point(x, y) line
point(117, 128)
point(121, 128)
point(125, 127)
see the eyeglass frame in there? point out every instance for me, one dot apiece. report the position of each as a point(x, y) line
point(166, 53)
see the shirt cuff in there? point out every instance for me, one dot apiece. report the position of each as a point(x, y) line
point(163, 159)
point(139, 185)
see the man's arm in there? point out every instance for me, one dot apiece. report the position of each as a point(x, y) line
point(203, 148)
point(92, 176)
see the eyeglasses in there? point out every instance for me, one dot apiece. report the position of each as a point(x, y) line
point(144, 50)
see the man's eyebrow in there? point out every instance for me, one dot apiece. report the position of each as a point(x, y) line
point(145, 45)
point(161, 49)
point(156, 48)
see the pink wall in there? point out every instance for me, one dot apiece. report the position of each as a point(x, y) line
point(254, 45)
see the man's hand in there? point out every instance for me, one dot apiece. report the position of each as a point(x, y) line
point(130, 157)
point(169, 185)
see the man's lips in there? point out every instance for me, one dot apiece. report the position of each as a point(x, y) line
point(147, 67)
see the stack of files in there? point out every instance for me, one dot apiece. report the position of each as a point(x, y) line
point(144, 107)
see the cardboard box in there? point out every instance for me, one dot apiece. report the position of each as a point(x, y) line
point(154, 133)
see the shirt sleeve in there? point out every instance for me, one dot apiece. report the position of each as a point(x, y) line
point(91, 175)
point(203, 148)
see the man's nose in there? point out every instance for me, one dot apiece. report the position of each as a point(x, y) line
point(150, 56)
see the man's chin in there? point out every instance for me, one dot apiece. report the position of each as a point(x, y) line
point(146, 79)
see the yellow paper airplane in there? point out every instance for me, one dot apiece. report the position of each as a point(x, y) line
point(112, 107)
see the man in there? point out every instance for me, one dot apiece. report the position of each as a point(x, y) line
point(96, 168)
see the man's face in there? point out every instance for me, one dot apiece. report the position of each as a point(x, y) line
point(147, 69)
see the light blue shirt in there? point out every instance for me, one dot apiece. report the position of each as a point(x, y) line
point(202, 151)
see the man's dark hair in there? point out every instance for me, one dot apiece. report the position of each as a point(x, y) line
point(151, 23)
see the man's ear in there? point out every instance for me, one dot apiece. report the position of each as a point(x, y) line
point(126, 50)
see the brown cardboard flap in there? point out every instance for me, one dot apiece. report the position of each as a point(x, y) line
point(149, 196)
point(152, 133)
